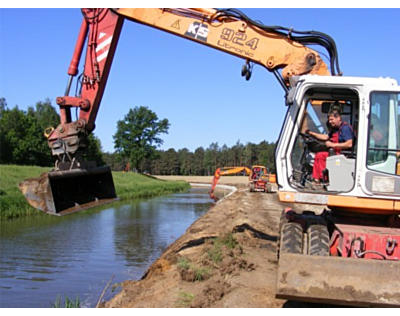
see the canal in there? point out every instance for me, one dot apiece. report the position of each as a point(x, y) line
point(46, 257)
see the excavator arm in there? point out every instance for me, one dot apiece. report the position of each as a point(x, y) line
point(227, 30)
point(280, 50)
point(223, 172)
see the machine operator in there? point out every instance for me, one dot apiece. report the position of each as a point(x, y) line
point(340, 137)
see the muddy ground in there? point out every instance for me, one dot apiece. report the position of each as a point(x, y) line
point(227, 258)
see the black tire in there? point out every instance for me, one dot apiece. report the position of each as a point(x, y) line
point(291, 238)
point(251, 187)
point(282, 220)
point(318, 240)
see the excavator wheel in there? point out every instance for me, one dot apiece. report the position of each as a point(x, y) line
point(318, 240)
point(291, 238)
point(252, 187)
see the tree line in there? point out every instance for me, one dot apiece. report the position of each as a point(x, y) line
point(136, 141)
point(22, 140)
point(202, 161)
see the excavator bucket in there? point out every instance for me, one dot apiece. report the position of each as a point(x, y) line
point(64, 192)
point(336, 280)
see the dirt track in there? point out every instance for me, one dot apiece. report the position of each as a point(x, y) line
point(227, 258)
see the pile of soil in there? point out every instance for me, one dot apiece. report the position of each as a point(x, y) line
point(227, 258)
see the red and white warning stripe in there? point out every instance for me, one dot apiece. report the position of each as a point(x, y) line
point(103, 46)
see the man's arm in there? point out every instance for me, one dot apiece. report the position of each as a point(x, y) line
point(317, 135)
point(345, 145)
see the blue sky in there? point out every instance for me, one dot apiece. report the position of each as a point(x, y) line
point(198, 89)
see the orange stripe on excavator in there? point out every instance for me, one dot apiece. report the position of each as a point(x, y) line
point(363, 205)
point(353, 204)
point(398, 163)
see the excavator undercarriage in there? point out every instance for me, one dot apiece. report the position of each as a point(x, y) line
point(324, 260)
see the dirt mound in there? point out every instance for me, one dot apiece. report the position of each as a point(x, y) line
point(227, 258)
point(219, 259)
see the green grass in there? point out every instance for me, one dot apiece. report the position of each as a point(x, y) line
point(131, 185)
point(200, 273)
point(127, 185)
point(184, 299)
point(12, 202)
point(67, 303)
point(215, 253)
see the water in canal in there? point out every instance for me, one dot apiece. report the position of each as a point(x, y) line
point(75, 256)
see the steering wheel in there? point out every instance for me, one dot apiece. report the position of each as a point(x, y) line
point(314, 145)
point(306, 137)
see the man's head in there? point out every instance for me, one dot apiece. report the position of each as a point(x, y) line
point(334, 118)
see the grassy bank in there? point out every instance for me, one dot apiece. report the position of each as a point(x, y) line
point(128, 186)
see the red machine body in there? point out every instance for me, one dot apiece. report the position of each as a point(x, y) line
point(260, 179)
point(369, 242)
point(362, 238)
point(101, 28)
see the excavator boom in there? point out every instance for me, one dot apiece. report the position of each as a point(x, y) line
point(236, 35)
point(227, 30)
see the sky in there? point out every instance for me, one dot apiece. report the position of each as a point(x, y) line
point(198, 89)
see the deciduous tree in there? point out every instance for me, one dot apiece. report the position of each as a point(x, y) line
point(137, 135)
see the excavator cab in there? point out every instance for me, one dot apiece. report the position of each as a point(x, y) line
point(338, 174)
point(370, 164)
point(339, 240)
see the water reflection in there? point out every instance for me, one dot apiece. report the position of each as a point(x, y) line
point(76, 255)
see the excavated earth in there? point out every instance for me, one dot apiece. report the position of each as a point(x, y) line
point(227, 258)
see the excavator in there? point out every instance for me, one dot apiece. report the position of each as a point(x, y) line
point(224, 171)
point(259, 178)
point(339, 243)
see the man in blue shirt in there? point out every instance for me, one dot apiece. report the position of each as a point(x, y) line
point(340, 137)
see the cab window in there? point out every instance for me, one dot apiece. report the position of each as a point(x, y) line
point(384, 132)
